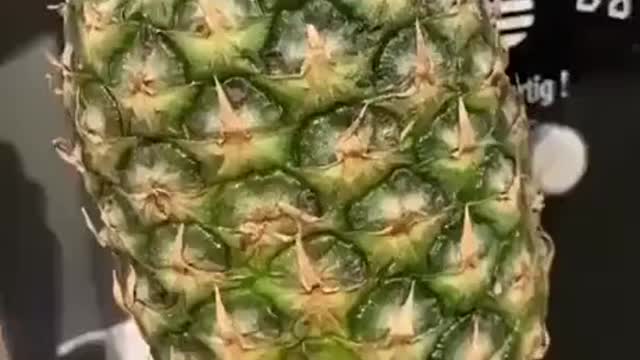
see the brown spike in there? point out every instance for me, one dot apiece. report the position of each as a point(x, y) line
point(125, 295)
point(480, 346)
point(401, 325)
point(230, 121)
point(215, 18)
point(130, 286)
point(309, 278)
point(91, 227)
point(466, 132)
point(497, 72)
point(227, 114)
point(356, 138)
point(118, 294)
point(224, 323)
point(475, 337)
point(315, 41)
point(55, 62)
point(423, 65)
point(70, 154)
point(317, 55)
point(513, 193)
point(176, 257)
point(468, 241)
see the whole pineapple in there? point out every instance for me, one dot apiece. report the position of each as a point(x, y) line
point(309, 179)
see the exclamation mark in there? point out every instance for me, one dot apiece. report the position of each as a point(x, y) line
point(565, 79)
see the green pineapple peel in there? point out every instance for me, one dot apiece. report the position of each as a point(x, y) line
point(309, 179)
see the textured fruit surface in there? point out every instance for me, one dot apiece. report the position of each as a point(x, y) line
point(309, 179)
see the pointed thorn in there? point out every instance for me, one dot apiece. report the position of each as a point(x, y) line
point(69, 154)
point(314, 39)
point(180, 236)
point(423, 65)
point(229, 119)
point(178, 246)
point(132, 279)
point(53, 60)
point(224, 323)
point(466, 132)
point(125, 295)
point(309, 278)
point(89, 223)
point(513, 193)
point(497, 72)
point(475, 337)
point(402, 323)
point(118, 295)
point(226, 110)
point(468, 241)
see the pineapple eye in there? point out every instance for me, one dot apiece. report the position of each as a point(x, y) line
point(201, 28)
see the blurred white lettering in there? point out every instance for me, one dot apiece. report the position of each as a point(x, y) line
point(620, 9)
point(539, 91)
point(588, 5)
point(617, 9)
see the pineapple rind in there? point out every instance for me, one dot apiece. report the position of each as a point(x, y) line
point(309, 179)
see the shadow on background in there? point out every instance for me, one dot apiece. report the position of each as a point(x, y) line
point(29, 264)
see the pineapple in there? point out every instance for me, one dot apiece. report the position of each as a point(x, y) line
point(309, 179)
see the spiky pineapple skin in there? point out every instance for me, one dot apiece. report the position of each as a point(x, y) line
point(309, 179)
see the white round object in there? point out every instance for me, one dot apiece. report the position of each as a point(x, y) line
point(559, 158)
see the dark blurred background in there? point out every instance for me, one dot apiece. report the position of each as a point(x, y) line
point(578, 65)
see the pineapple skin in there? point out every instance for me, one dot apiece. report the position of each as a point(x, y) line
point(309, 179)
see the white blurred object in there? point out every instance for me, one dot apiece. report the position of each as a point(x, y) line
point(559, 163)
point(121, 341)
point(126, 343)
point(559, 158)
